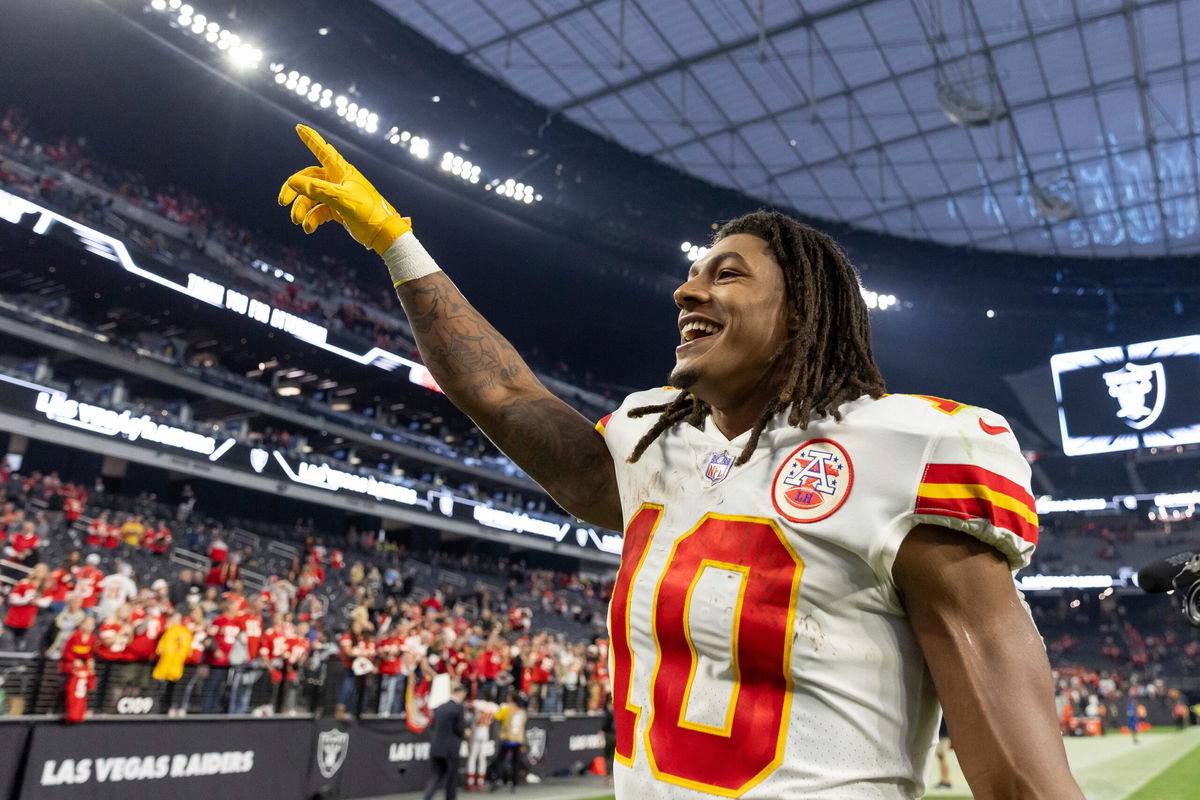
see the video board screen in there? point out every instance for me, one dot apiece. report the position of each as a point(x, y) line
point(1131, 396)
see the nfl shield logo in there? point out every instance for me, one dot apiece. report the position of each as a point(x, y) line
point(718, 467)
point(331, 751)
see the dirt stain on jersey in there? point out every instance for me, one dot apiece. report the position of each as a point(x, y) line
point(809, 629)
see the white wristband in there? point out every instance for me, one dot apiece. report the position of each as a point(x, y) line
point(407, 260)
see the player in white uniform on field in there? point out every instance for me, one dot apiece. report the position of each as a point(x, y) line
point(809, 565)
point(483, 712)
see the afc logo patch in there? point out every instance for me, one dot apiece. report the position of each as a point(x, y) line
point(813, 481)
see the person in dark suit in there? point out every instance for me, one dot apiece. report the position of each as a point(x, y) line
point(446, 733)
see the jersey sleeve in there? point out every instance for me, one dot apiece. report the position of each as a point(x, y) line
point(976, 480)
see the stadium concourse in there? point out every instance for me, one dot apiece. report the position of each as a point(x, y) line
point(246, 540)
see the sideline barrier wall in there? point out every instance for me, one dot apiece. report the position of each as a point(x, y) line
point(247, 758)
point(184, 760)
point(14, 736)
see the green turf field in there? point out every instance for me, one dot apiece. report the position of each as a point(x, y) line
point(1164, 765)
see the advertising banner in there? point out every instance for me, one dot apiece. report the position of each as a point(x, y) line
point(568, 744)
point(385, 757)
point(182, 760)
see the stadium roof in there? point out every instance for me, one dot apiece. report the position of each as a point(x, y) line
point(1059, 127)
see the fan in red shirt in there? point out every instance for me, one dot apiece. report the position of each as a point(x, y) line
point(112, 536)
point(235, 597)
point(148, 620)
point(223, 632)
point(97, 529)
point(218, 551)
point(598, 686)
point(61, 581)
point(433, 602)
point(80, 648)
point(542, 667)
point(161, 543)
point(356, 649)
point(78, 663)
point(391, 672)
point(23, 545)
point(72, 507)
point(87, 580)
point(274, 646)
point(307, 583)
point(297, 652)
point(252, 623)
point(23, 603)
point(115, 635)
point(195, 623)
point(247, 675)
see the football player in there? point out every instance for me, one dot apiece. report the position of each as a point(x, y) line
point(809, 566)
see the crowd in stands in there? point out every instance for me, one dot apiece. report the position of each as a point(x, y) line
point(1107, 648)
point(360, 617)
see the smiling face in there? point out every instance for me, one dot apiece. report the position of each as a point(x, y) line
point(732, 321)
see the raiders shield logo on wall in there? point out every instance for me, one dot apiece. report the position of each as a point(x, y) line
point(331, 751)
point(535, 739)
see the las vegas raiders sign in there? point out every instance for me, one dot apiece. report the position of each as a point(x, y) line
point(813, 481)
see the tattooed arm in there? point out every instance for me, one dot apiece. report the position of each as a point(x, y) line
point(476, 367)
point(484, 376)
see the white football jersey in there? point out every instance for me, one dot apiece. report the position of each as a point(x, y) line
point(759, 647)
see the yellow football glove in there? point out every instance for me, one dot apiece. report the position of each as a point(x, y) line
point(337, 191)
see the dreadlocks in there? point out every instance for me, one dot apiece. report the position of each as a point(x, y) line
point(829, 360)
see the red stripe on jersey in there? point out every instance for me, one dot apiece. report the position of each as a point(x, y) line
point(978, 508)
point(969, 473)
point(603, 423)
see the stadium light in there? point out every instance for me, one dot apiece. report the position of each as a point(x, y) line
point(878, 302)
point(244, 56)
point(514, 190)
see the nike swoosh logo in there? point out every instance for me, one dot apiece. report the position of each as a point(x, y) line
point(992, 430)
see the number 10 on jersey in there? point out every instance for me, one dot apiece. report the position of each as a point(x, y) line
point(729, 758)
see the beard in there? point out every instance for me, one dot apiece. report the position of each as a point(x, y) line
point(683, 377)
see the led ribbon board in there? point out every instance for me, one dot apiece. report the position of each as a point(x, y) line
point(33, 400)
point(30, 216)
point(1123, 398)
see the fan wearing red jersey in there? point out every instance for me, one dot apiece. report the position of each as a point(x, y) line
point(23, 603)
point(223, 634)
point(88, 579)
point(79, 665)
point(809, 566)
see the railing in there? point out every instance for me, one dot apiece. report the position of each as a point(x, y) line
point(278, 548)
point(189, 559)
point(12, 566)
point(31, 684)
point(245, 538)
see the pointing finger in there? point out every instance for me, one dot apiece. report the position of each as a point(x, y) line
point(287, 194)
point(323, 150)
